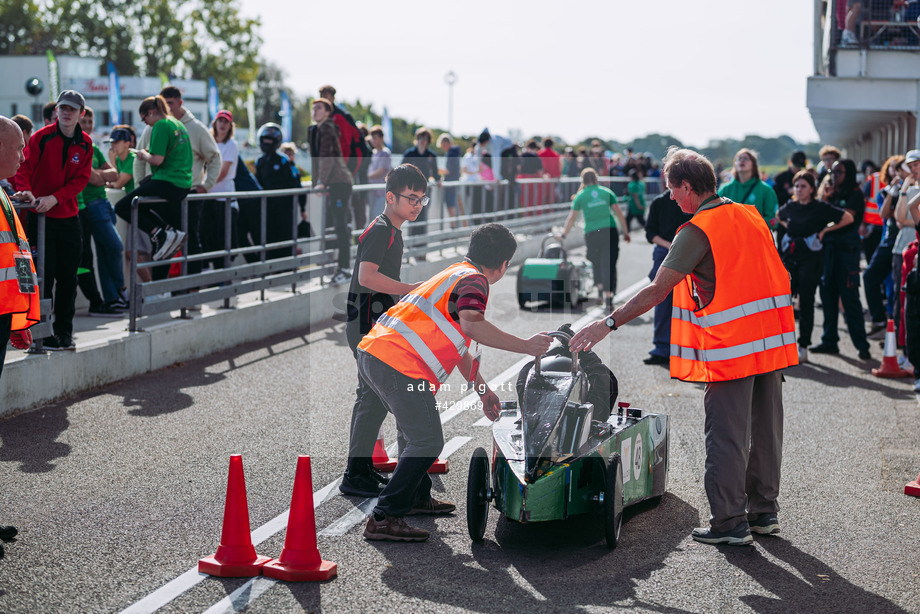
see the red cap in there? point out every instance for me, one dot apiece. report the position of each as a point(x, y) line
point(225, 114)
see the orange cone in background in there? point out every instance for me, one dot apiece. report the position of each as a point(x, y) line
point(384, 462)
point(380, 458)
point(300, 560)
point(890, 368)
point(439, 466)
point(235, 557)
point(913, 488)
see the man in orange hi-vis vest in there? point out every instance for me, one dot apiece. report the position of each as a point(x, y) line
point(18, 283)
point(407, 357)
point(731, 327)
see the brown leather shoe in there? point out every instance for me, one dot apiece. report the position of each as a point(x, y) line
point(393, 529)
point(432, 508)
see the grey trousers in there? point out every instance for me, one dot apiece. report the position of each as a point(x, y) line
point(744, 447)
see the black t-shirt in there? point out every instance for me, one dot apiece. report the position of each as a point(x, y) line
point(382, 244)
point(782, 184)
point(664, 218)
point(806, 220)
point(856, 203)
point(531, 164)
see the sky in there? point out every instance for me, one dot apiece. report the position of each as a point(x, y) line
point(699, 71)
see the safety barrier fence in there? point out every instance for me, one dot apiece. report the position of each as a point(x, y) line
point(892, 25)
point(528, 206)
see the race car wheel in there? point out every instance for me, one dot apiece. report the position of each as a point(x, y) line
point(477, 503)
point(572, 291)
point(613, 500)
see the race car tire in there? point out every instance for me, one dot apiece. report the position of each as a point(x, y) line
point(477, 503)
point(613, 501)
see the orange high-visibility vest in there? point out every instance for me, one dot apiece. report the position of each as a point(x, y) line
point(871, 216)
point(748, 327)
point(13, 242)
point(417, 336)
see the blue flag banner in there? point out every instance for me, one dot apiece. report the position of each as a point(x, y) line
point(387, 124)
point(287, 120)
point(213, 99)
point(114, 96)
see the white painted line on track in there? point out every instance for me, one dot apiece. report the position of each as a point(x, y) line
point(239, 600)
point(344, 524)
point(169, 591)
point(190, 578)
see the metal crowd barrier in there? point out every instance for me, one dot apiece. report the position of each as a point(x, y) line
point(296, 261)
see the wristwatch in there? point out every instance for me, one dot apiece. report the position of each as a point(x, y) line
point(611, 323)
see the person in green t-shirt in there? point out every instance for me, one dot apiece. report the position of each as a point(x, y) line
point(748, 189)
point(602, 217)
point(635, 191)
point(170, 156)
point(97, 219)
point(122, 139)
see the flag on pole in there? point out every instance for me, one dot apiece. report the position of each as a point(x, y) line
point(53, 85)
point(213, 99)
point(251, 112)
point(287, 119)
point(114, 96)
point(387, 124)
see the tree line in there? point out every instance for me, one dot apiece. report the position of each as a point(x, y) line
point(198, 39)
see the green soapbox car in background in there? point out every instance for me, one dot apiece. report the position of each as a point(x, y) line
point(552, 277)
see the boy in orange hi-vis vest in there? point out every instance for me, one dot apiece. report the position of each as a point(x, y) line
point(410, 353)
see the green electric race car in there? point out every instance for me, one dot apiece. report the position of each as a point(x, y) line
point(559, 451)
point(552, 277)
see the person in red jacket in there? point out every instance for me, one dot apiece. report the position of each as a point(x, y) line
point(57, 166)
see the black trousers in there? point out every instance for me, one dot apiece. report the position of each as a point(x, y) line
point(63, 251)
point(6, 323)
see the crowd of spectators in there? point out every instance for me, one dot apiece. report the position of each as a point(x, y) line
point(831, 219)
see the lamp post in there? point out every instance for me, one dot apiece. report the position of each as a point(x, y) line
point(450, 78)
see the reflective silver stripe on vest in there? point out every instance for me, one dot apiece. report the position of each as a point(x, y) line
point(440, 321)
point(11, 237)
point(735, 351)
point(733, 313)
point(8, 274)
point(417, 344)
point(447, 284)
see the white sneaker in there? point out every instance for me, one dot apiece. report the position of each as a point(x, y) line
point(803, 354)
point(849, 38)
point(340, 277)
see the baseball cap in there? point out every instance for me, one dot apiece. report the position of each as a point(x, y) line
point(798, 158)
point(912, 156)
point(71, 98)
point(119, 134)
point(225, 114)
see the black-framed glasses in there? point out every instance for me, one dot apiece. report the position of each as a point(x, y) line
point(413, 200)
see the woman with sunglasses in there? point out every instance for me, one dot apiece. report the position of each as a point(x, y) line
point(803, 223)
point(840, 281)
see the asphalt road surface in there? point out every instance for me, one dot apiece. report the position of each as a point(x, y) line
point(119, 492)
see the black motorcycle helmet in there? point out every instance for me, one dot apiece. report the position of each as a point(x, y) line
point(270, 137)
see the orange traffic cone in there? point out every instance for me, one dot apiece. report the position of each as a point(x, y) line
point(890, 366)
point(384, 462)
point(380, 458)
point(913, 488)
point(235, 557)
point(300, 560)
point(439, 466)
